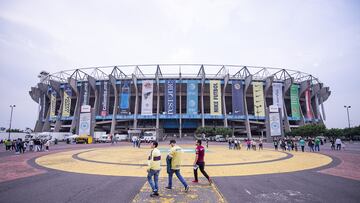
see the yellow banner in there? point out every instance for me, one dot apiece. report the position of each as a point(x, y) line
point(258, 93)
point(52, 105)
point(66, 105)
point(215, 97)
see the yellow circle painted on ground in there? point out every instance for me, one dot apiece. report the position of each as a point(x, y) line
point(111, 160)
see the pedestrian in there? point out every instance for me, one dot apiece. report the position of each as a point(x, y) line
point(154, 169)
point(13, 145)
point(317, 144)
point(248, 144)
point(332, 142)
point(296, 146)
point(47, 145)
point(207, 143)
point(292, 145)
point(229, 142)
point(175, 156)
point(253, 145)
point(311, 145)
point(338, 143)
point(260, 145)
point(288, 144)
point(199, 162)
point(302, 144)
point(276, 143)
point(31, 145)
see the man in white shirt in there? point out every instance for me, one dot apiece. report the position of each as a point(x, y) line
point(338, 143)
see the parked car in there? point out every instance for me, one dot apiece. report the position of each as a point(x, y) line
point(220, 138)
point(121, 137)
point(104, 139)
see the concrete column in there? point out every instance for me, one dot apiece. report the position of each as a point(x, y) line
point(248, 80)
point(116, 103)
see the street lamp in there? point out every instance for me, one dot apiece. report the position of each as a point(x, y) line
point(347, 110)
point(12, 107)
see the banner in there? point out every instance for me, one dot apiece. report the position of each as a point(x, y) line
point(67, 101)
point(278, 96)
point(294, 101)
point(84, 123)
point(192, 97)
point(309, 114)
point(53, 104)
point(104, 98)
point(237, 98)
point(170, 97)
point(275, 127)
point(258, 93)
point(147, 97)
point(215, 97)
point(85, 93)
point(125, 98)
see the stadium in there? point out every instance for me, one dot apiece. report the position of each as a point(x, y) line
point(178, 98)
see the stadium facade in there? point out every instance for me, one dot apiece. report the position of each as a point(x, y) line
point(178, 98)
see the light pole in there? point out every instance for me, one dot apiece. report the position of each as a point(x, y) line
point(347, 110)
point(12, 107)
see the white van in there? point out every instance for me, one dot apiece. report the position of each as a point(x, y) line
point(104, 139)
point(121, 137)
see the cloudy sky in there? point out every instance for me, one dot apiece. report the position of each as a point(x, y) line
point(318, 37)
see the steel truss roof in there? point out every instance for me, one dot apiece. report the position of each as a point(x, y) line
point(201, 71)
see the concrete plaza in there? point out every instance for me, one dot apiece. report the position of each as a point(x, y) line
point(117, 173)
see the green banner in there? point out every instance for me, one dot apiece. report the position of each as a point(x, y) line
point(295, 104)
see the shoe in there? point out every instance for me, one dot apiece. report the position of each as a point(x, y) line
point(167, 187)
point(187, 189)
point(154, 194)
point(210, 181)
point(195, 181)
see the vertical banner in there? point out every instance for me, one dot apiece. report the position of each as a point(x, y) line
point(275, 127)
point(309, 114)
point(53, 104)
point(104, 95)
point(192, 97)
point(85, 93)
point(237, 98)
point(258, 93)
point(147, 97)
point(67, 101)
point(125, 98)
point(294, 101)
point(85, 120)
point(278, 96)
point(215, 97)
point(170, 97)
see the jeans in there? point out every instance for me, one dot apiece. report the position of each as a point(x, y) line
point(317, 147)
point(153, 184)
point(177, 173)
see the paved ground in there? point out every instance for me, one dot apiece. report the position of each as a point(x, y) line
point(23, 181)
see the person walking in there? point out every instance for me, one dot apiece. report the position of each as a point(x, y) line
point(276, 143)
point(260, 144)
point(338, 143)
point(317, 144)
point(311, 145)
point(199, 162)
point(154, 169)
point(47, 145)
point(174, 158)
point(302, 144)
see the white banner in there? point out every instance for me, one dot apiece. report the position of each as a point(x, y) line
point(278, 96)
point(275, 127)
point(147, 97)
point(84, 124)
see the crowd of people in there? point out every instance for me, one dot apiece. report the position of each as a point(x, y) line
point(20, 146)
point(313, 144)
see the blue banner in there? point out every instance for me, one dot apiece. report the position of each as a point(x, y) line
point(237, 98)
point(170, 97)
point(125, 98)
point(192, 97)
point(84, 93)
